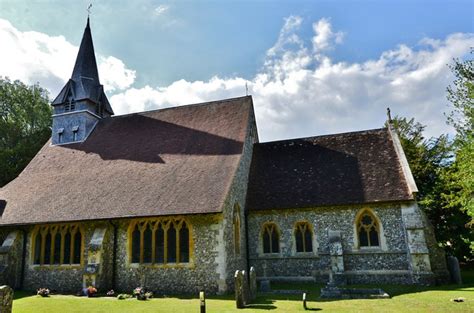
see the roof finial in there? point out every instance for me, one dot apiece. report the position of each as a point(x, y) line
point(389, 116)
point(89, 12)
point(246, 89)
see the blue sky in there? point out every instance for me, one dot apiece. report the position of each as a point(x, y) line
point(369, 55)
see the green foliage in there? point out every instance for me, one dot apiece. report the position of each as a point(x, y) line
point(461, 96)
point(434, 169)
point(25, 120)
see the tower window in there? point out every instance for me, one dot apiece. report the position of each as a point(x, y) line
point(74, 133)
point(60, 135)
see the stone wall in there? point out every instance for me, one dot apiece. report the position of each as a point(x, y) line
point(237, 195)
point(385, 263)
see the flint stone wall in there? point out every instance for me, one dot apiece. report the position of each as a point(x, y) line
point(366, 265)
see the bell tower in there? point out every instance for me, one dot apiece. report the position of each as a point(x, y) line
point(82, 101)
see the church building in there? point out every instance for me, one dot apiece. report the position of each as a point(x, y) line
point(178, 199)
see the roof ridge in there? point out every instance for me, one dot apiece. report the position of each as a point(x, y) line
point(322, 136)
point(223, 101)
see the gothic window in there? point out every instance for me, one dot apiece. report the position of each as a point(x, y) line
point(159, 241)
point(368, 230)
point(270, 238)
point(303, 237)
point(57, 245)
point(236, 225)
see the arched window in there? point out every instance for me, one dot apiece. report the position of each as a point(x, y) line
point(159, 241)
point(184, 243)
point(368, 230)
point(303, 237)
point(270, 238)
point(236, 225)
point(57, 245)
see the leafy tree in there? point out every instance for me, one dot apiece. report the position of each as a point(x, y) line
point(433, 167)
point(25, 120)
point(461, 96)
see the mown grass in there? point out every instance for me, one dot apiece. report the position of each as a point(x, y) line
point(404, 299)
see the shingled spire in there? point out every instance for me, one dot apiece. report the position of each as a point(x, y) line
point(86, 65)
point(82, 101)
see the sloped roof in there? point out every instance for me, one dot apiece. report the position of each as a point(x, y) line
point(173, 161)
point(341, 169)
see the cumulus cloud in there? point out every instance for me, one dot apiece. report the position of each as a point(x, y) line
point(36, 57)
point(299, 91)
point(161, 9)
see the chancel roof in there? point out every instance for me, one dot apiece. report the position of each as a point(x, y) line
point(341, 169)
point(180, 160)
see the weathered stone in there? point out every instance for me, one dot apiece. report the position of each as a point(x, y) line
point(253, 283)
point(454, 270)
point(265, 286)
point(6, 299)
point(239, 290)
point(202, 302)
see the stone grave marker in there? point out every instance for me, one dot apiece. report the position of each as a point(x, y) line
point(253, 283)
point(239, 290)
point(6, 299)
point(454, 270)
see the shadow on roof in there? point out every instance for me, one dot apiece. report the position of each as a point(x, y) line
point(303, 175)
point(143, 139)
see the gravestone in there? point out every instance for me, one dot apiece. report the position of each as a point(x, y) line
point(6, 299)
point(454, 270)
point(202, 301)
point(337, 257)
point(239, 290)
point(265, 286)
point(253, 283)
point(245, 286)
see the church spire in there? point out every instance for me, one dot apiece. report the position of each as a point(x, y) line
point(86, 65)
point(82, 101)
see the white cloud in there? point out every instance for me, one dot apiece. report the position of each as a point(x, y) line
point(300, 90)
point(161, 9)
point(36, 57)
point(324, 37)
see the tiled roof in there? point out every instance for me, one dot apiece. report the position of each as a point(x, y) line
point(172, 161)
point(350, 168)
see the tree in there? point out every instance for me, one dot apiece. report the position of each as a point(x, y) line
point(461, 96)
point(25, 120)
point(433, 167)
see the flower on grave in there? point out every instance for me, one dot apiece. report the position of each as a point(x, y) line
point(91, 291)
point(110, 293)
point(44, 292)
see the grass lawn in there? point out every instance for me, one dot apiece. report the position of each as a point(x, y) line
point(404, 299)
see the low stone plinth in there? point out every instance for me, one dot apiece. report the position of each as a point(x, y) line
point(334, 292)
